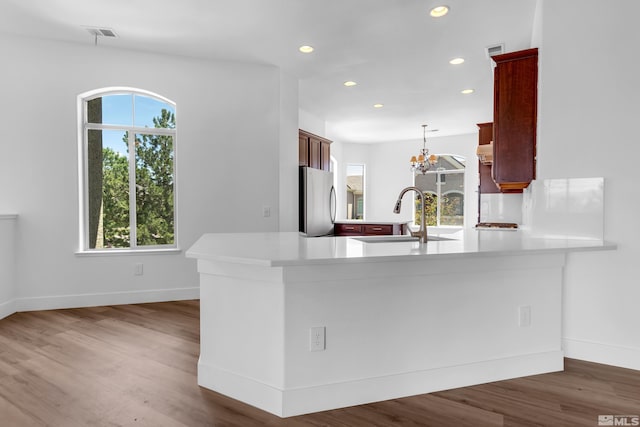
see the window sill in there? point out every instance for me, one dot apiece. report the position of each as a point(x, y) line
point(126, 252)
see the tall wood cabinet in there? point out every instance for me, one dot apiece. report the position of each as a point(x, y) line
point(514, 119)
point(313, 151)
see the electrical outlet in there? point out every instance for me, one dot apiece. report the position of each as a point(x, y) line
point(138, 269)
point(266, 211)
point(317, 338)
point(524, 316)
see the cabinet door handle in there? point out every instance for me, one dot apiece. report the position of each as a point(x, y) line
point(377, 228)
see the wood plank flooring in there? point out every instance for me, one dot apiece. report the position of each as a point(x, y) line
point(135, 365)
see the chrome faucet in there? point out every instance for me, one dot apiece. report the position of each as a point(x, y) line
point(422, 234)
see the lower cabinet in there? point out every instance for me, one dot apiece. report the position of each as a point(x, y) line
point(368, 229)
point(348, 229)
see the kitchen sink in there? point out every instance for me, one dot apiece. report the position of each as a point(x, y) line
point(397, 238)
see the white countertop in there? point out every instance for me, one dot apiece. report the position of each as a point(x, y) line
point(361, 221)
point(291, 248)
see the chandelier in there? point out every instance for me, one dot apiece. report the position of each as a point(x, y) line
point(424, 161)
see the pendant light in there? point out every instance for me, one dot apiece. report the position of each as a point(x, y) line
point(424, 161)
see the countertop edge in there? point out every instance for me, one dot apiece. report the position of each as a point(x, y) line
point(230, 259)
point(443, 256)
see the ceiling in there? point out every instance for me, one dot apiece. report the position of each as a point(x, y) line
point(393, 49)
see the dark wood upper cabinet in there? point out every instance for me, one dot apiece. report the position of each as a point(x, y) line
point(514, 119)
point(303, 150)
point(325, 155)
point(485, 137)
point(314, 151)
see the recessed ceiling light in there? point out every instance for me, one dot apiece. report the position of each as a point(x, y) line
point(350, 83)
point(456, 61)
point(466, 91)
point(306, 49)
point(439, 11)
point(378, 105)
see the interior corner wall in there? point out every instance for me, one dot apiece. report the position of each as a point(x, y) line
point(227, 113)
point(536, 34)
point(587, 127)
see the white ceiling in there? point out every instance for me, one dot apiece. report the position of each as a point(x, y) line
point(396, 52)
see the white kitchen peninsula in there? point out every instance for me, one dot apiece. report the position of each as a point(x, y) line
point(399, 318)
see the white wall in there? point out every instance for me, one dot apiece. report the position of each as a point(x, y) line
point(230, 133)
point(387, 173)
point(311, 123)
point(588, 113)
point(288, 161)
point(7, 264)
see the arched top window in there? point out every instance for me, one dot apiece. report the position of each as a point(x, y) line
point(443, 185)
point(127, 143)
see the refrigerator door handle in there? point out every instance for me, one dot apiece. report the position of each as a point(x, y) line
point(332, 204)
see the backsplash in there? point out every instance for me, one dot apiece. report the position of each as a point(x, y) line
point(501, 208)
point(571, 208)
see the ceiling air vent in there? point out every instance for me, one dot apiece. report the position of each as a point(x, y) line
point(101, 32)
point(496, 49)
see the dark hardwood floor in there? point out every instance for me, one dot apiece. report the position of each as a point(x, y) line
point(135, 365)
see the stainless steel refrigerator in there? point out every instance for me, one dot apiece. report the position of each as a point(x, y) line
point(317, 202)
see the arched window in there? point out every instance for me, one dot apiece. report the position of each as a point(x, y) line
point(443, 186)
point(127, 143)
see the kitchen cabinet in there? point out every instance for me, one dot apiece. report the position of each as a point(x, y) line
point(485, 137)
point(313, 151)
point(348, 229)
point(303, 149)
point(514, 119)
point(368, 229)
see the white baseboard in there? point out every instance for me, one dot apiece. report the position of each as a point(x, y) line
point(98, 299)
point(608, 354)
point(7, 308)
point(298, 401)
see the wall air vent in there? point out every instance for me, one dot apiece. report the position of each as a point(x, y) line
point(496, 49)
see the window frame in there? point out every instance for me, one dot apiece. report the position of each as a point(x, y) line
point(355, 199)
point(83, 170)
